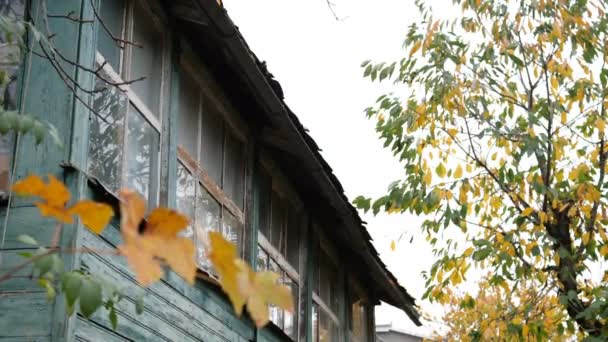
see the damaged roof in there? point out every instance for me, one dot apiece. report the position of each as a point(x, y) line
point(260, 100)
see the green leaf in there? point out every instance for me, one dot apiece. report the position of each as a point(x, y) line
point(38, 131)
point(139, 305)
point(26, 239)
point(90, 296)
point(43, 265)
point(48, 286)
point(113, 318)
point(71, 287)
point(54, 133)
point(25, 255)
point(481, 254)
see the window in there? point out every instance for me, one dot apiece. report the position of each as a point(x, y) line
point(278, 245)
point(10, 59)
point(357, 313)
point(211, 157)
point(125, 126)
point(326, 298)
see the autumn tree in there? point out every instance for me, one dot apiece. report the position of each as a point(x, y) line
point(498, 313)
point(500, 123)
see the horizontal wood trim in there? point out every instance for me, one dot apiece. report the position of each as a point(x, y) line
point(203, 177)
point(133, 98)
point(325, 308)
point(278, 258)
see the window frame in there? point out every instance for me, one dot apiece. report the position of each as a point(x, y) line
point(123, 73)
point(208, 88)
point(357, 288)
point(279, 184)
point(324, 247)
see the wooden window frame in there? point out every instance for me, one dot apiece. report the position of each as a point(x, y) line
point(325, 248)
point(208, 89)
point(280, 185)
point(132, 98)
point(355, 286)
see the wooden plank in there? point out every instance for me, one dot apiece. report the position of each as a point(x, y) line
point(27, 220)
point(89, 331)
point(24, 314)
point(170, 133)
point(20, 281)
point(201, 308)
point(28, 338)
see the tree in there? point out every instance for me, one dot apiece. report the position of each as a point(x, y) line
point(502, 133)
point(525, 313)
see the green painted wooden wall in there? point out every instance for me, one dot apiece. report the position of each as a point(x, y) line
point(173, 310)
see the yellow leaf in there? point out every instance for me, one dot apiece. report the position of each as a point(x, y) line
point(469, 168)
point(586, 237)
point(262, 289)
point(527, 211)
point(243, 285)
point(223, 256)
point(158, 244)
point(440, 170)
point(415, 47)
point(166, 222)
point(601, 125)
point(554, 83)
point(95, 216)
point(30, 186)
point(428, 177)
point(468, 252)
point(604, 250)
point(564, 118)
point(458, 172)
point(54, 196)
point(393, 245)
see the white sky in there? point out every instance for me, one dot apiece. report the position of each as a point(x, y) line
point(317, 61)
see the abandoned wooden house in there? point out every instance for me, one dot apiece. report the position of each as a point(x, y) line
point(165, 97)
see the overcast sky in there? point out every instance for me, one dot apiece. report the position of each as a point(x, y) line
point(317, 61)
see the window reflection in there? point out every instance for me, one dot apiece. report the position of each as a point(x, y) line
point(106, 135)
point(186, 198)
point(207, 218)
point(142, 153)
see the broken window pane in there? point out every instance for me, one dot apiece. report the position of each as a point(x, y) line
point(112, 15)
point(234, 169)
point(147, 60)
point(207, 218)
point(142, 155)
point(188, 125)
point(106, 135)
point(186, 197)
point(212, 142)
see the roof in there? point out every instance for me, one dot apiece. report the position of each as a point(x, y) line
point(388, 328)
point(260, 98)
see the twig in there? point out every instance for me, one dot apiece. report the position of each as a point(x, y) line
point(24, 264)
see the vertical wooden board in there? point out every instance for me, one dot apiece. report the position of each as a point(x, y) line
point(45, 95)
point(25, 314)
point(169, 131)
point(28, 338)
point(310, 254)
